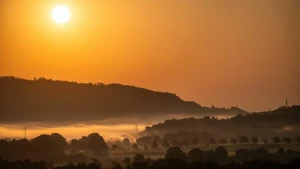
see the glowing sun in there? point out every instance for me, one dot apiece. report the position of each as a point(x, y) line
point(61, 14)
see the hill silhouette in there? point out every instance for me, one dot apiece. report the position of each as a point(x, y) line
point(282, 121)
point(46, 100)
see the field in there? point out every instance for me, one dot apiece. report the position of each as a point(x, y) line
point(231, 148)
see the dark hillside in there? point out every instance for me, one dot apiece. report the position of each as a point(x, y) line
point(45, 100)
point(284, 120)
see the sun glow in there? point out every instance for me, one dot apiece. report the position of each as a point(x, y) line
point(61, 14)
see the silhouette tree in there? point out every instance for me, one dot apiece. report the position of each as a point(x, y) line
point(95, 164)
point(276, 140)
point(223, 141)
point(114, 147)
point(287, 140)
point(115, 165)
point(60, 142)
point(264, 140)
point(196, 154)
point(147, 140)
point(127, 161)
point(165, 144)
point(233, 141)
point(243, 140)
point(97, 144)
point(280, 152)
point(126, 142)
point(138, 158)
point(135, 146)
point(221, 153)
point(44, 144)
point(75, 146)
point(242, 154)
point(175, 153)
point(119, 143)
point(210, 155)
point(254, 140)
point(154, 144)
point(262, 154)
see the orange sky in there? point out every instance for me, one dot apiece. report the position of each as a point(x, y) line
point(222, 53)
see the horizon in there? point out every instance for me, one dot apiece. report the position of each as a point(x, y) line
point(132, 85)
point(215, 53)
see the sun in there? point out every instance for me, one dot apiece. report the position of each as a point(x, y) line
point(61, 14)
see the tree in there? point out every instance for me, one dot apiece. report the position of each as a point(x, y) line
point(114, 147)
point(97, 144)
point(165, 144)
point(175, 153)
point(115, 165)
point(154, 144)
point(135, 146)
point(287, 140)
point(126, 142)
point(280, 152)
point(223, 141)
point(118, 143)
point(221, 153)
point(146, 140)
point(75, 146)
point(138, 158)
point(264, 140)
point(242, 154)
point(43, 144)
point(194, 141)
point(254, 140)
point(60, 142)
point(95, 164)
point(262, 154)
point(243, 140)
point(127, 161)
point(196, 154)
point(276, 140)
point(233, 141)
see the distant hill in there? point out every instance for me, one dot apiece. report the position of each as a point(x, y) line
point(284, 121)
point(46, 100)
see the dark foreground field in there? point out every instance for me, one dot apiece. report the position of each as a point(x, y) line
point(231, 148)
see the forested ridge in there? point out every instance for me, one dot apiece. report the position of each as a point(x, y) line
point(47, 100)
point(284, 120)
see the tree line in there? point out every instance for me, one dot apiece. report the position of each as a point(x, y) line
point(263, 124)
point(176, 158)
point(148, 142)
point(55, 147)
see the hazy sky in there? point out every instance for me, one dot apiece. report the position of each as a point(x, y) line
point(223, 53)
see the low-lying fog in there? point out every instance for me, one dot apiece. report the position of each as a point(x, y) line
point(119, 131)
